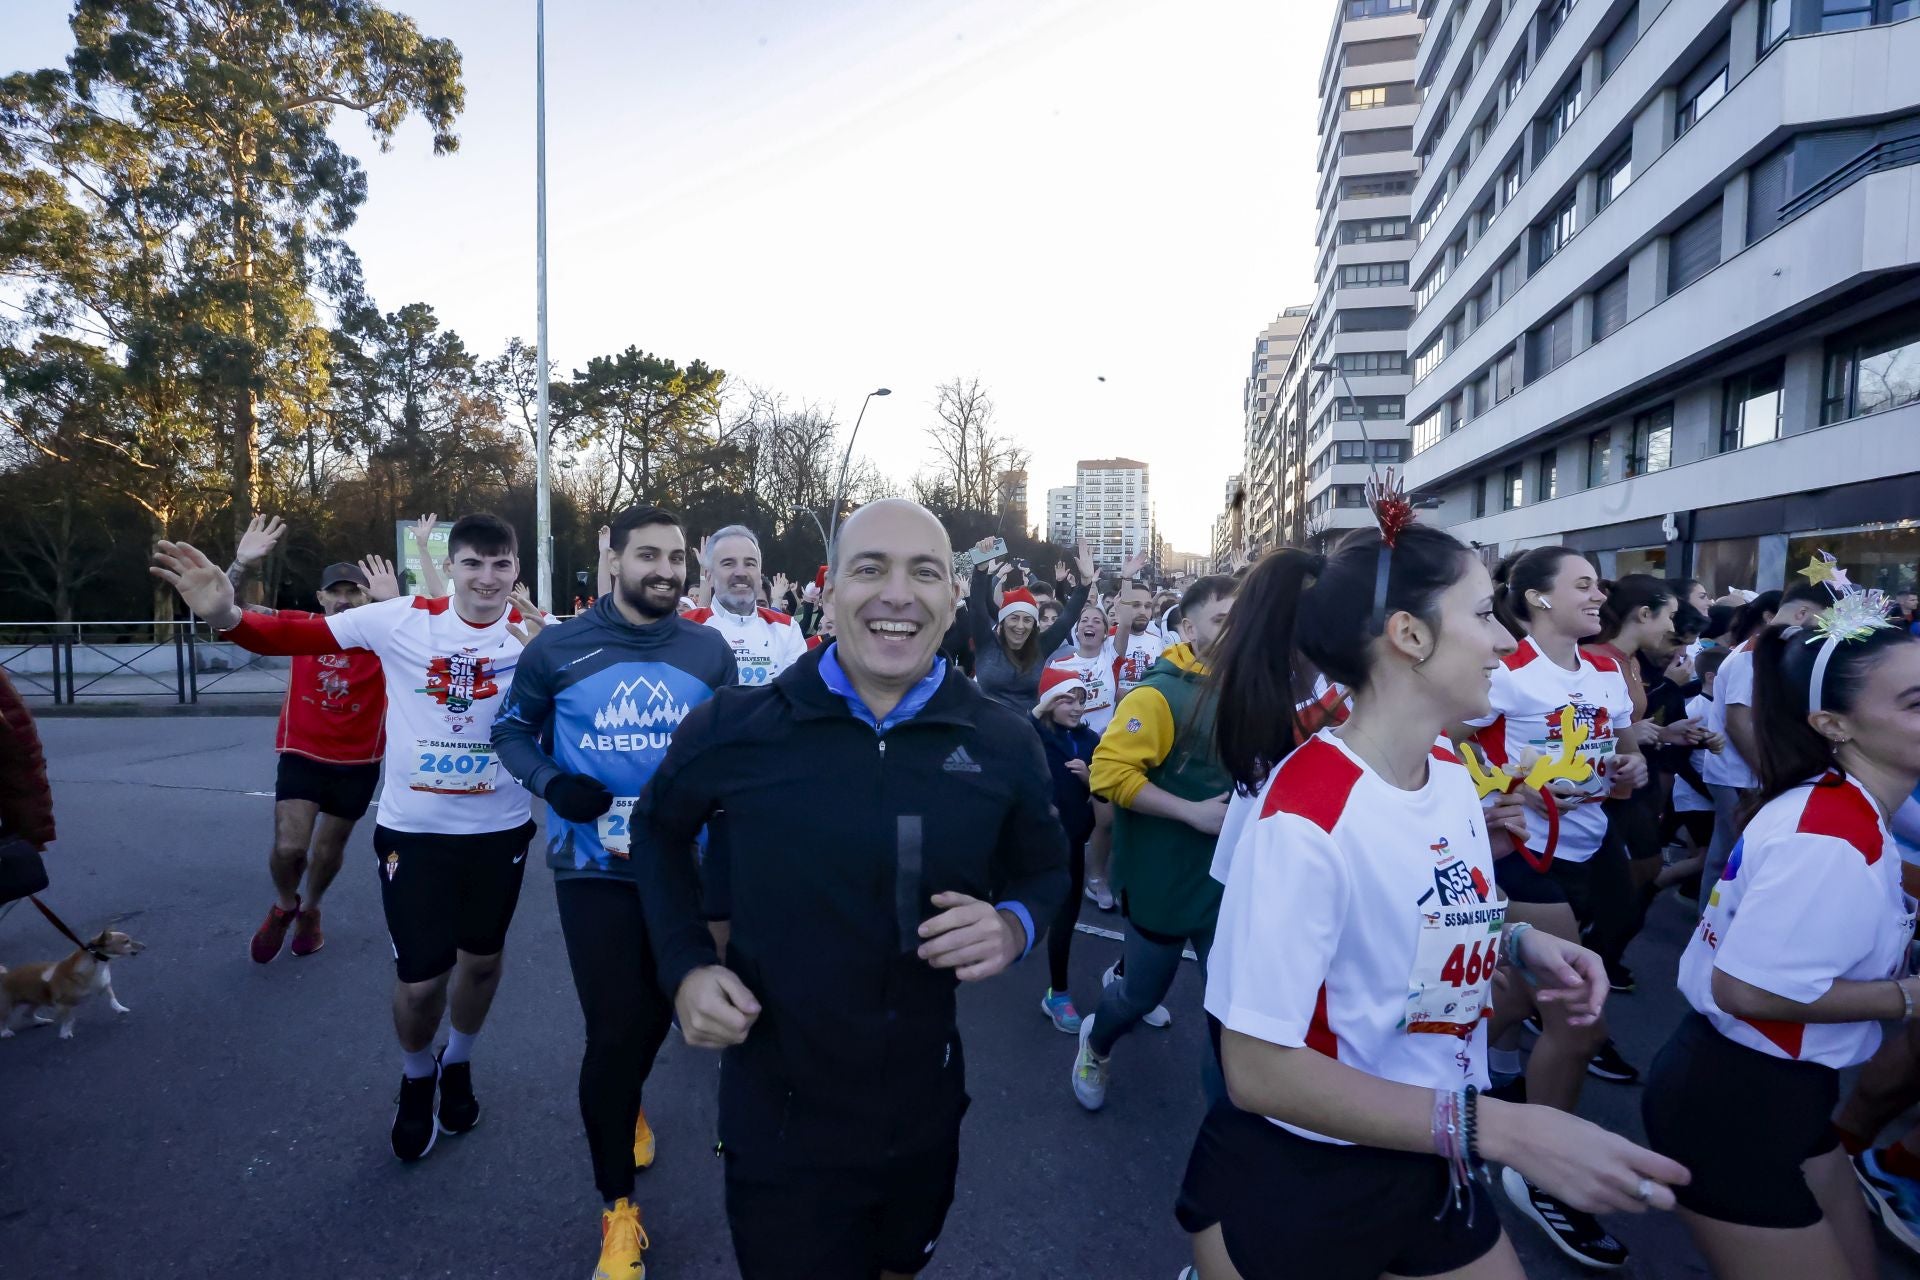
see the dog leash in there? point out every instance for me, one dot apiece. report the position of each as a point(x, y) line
point(96, 952)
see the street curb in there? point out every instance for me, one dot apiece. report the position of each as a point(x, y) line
point(146, 710)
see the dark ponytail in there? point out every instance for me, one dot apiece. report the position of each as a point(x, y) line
point(1751, 616)
point(1519, 573)
point(1791, 751)
point(1628, 595)
point(1295, 605)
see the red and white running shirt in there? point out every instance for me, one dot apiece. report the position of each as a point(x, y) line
point(1098, 675)
point(1811, 894)
point(1133, 659)
point(446, 680)
point(1530, 691)
point(336, 707)
point(1359, 920)
point(765, 642)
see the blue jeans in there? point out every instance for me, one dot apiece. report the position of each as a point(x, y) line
point(1151, 961)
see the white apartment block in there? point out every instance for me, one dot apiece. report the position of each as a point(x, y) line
point(1263, 404)
point(1369, 104)
point(1063, 515)
point(1116, 509)
point(1667, 284)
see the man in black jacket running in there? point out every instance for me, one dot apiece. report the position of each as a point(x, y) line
point(932, 855)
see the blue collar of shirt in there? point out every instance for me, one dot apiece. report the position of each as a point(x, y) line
point(908, 707)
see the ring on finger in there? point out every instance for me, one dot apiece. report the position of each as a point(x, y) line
point(1644, 1192)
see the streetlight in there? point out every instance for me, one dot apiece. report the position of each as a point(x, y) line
point(543, 496)
point(813, 515)
point(840, 490)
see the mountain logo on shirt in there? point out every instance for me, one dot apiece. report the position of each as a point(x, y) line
point(655, 709)
point(460, 680)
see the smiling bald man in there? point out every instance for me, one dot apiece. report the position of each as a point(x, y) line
point(930, 852)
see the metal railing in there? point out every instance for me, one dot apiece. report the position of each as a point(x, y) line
point(68, 662)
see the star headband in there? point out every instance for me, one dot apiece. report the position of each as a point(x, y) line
point(1856, 613)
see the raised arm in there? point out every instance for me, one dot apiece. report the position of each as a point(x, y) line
point(421, 531)
point(209, 594)
point(256, 544)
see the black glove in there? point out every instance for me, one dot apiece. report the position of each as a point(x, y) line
point(578, 798)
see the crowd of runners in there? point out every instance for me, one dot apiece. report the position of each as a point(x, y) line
point(1408, 813)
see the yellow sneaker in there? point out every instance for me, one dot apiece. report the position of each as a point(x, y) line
point(623, 1242)
point(643, 1142)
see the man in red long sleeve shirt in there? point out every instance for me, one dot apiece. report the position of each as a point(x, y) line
point(452, 839)
point(331, 737)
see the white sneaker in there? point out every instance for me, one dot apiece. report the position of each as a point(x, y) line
point(1156, 1017)
point(1089, 1071)
point(1098, 894)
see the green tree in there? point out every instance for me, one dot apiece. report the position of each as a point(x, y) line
point(192, 137)
point(654, 426)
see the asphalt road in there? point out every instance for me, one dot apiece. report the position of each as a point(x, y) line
point(235, 1122)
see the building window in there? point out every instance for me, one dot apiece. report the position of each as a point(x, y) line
point(1377, 8)
point(1503, 378)
point(1872, 370)
point(1620, 43)
point(1599, 455)
point(1349, 495)
point(1776, 20)
point(1509, 184)
point(1552, 18)
point(1373, 275)
point(1479, 497)
point(1350, 451)
point(1652, 442)
point(1507, 279)
point(1373, 230)
point(1695, 249)
point(1429, 360)
point(1753, 408)
point(1371, 407)
point(1367, 98)
point(1616, 174)
point(1547, 486)
point(1512, 491)
point(1610, 307)
point(1389, 450)
point(1558, 118)
point(1373, 188)
point(1430, 286)
point(1550, 346)
point(1551, 236)
point(1427, 432)
point(1703, 87)
point(1370, 363)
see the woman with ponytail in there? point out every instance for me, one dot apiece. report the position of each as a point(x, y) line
point(1551, 599)
point(1353, 963)
point(1800, 955)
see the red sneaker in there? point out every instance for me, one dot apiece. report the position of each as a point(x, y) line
point(272, 933)
point(307, 937)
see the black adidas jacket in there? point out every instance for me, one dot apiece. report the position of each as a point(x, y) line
point(856, 1053)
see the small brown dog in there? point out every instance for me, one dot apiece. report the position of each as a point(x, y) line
point(63, 986)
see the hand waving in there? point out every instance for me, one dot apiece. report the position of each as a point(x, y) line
point(201, 584)
point(382, 582)
point(257, 543)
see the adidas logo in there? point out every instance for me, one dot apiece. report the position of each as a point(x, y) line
point(960, 762)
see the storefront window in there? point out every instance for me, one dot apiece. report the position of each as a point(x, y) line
point(1651, 560)
point(1886, 556)
point(1726, 563)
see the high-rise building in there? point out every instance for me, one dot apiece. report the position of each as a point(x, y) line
point(1063, 515)
point(1367, 173)
point(1262, 400)
point(1668, 283)
point(1230, 526)
point(1116, 510)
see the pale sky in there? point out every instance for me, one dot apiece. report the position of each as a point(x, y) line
point(829, 196)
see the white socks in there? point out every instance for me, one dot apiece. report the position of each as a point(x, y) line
point(459, 1046)
point(417, 1065)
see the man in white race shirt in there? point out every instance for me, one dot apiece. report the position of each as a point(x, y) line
point(454, 827)
point(765, 642)
point(1136, 646)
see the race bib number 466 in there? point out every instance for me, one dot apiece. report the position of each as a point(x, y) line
point(451, 767)
point(1453, 968)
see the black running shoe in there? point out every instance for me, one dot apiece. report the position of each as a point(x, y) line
point(459, 1110)
point(414, 1123)
point(1609, 1065)
point(1578, 1235)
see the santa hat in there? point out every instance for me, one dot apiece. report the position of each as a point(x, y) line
point(1057, 683)
point(1019, 600)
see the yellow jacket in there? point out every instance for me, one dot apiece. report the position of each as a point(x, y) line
point(1141, 736)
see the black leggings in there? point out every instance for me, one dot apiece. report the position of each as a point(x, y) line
point(1060, 932)
point(627, 1017)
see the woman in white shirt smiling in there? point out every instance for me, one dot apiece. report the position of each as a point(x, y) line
point(1355, 958)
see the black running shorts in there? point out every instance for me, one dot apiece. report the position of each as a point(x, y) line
point(341, 790)
point(1289, 1207)
point(444, 894)
point(1521, 883)
point(1743, 1122)
point(840, 1224)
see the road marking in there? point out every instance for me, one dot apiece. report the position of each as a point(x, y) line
point(1186, 953)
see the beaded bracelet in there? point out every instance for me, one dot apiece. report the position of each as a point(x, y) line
point(1456, 1140)
point(1511, 946)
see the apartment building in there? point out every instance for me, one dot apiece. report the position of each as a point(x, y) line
point(1263, 400)
point(1063, 515)
point(1667, 282)
point(1369, 104)
point(1230, 526)
point(1116, 509)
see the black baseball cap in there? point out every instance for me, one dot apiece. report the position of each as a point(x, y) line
point(342, 572)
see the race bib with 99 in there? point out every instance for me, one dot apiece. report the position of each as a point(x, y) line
point(452, 767)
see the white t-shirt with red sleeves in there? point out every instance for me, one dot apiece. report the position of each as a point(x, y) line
point(1359, 920)
point(446, 680)
point(1732, 686)
point(1530, 691)
point(1132, 660)
point(1811, 895)
point(1097, 674)
point(765, 643)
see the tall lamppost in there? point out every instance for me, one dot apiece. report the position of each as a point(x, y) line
point(840, 489)
point(543, 497)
